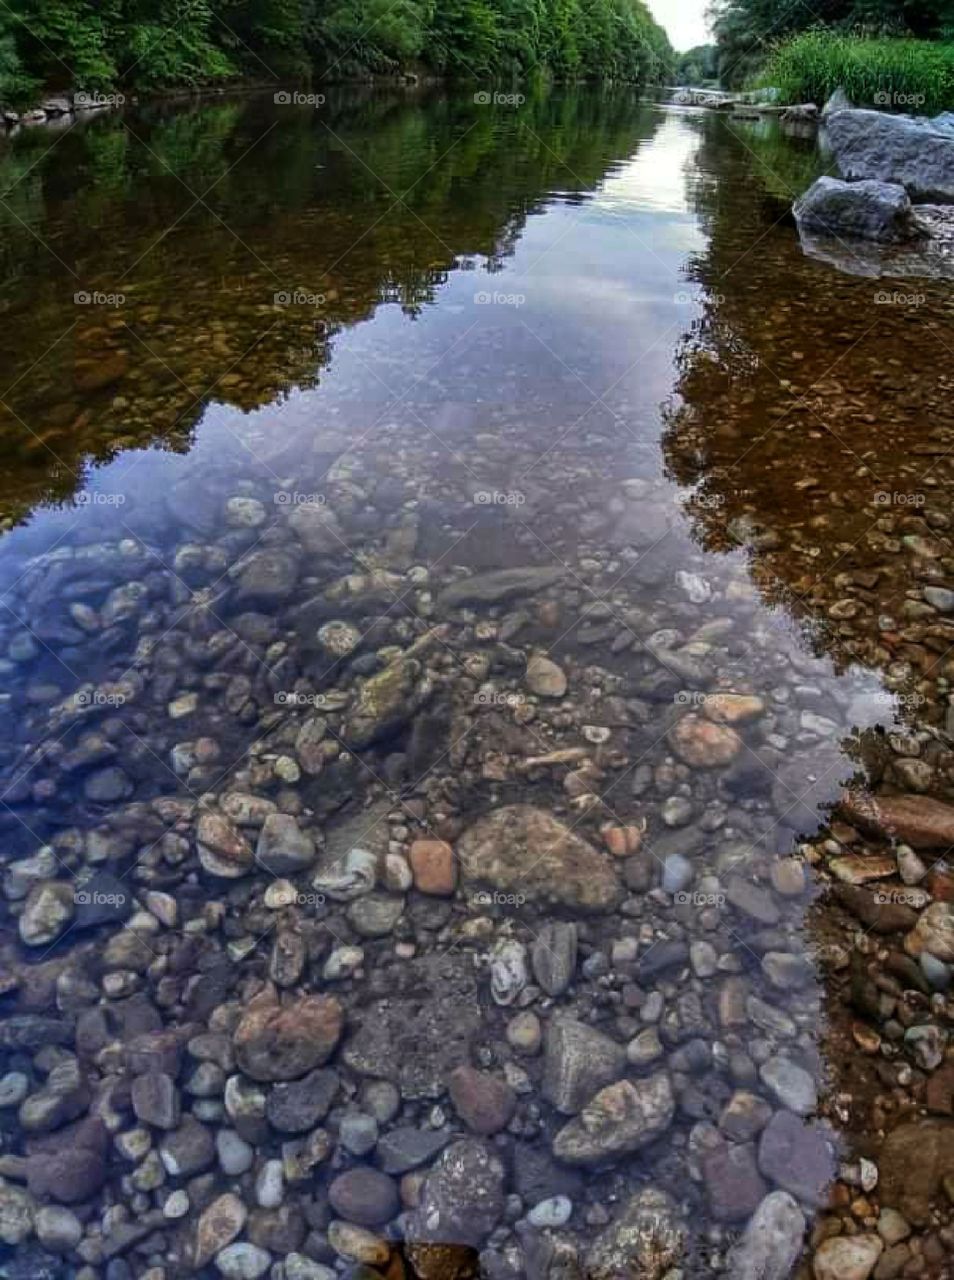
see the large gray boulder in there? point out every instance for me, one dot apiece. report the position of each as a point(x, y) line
point(865, 210)
point(839, 101)
point(898, 149)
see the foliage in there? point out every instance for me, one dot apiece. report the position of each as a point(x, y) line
point(747, 30)
point(698, 66)
point(905, 75)
point(109, 45)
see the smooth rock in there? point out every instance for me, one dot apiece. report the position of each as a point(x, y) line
point(620, 1119)
point(528, 853)
point(275, 1042)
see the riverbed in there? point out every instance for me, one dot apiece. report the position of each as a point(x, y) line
point(476, 645)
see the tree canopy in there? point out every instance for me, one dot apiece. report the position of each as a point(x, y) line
point(111, 44)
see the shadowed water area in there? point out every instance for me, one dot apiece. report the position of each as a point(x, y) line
point(476, 651)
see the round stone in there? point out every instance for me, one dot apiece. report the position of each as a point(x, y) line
point(364, 1196)
point(703, 744)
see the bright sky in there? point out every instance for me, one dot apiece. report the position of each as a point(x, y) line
point(685, 21)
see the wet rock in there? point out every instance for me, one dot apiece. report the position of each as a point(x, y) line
point(223, 850)
point(504, 584)
point(218, 1226)
point(267, 577)
point(934, 932)
point(894, 149)
point(364, 1196)
point(57, 1229)
point(734, 1185)
point(553, 956)
point(299, 1105)
point(915, 1160)
point(771, 1243)
point(155, 1100)
point(375, 915)
point(752, 900)
point(485, 1103)
point(918, 821)
point(317, 528)
point(69, 1166)
point(619, 1120)
point(242, 1261)
point(866, 210)
point(578, 1062)
point(462, 1199)
point(274, 1042)
point(47, 912)
point(385, 702)
point(704, 744)
point(283, 848)
point(646, 1240)
point(406, 1148)
point(422, 1031)
point(188, 1149)
point(876, 912)
point(525, 851)
point(847, 1257)
point(433, 866)
point(797, 1156)
point(17, 1214)
point(545, 678)
point(791, 1084)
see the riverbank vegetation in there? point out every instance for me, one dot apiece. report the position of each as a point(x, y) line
point(860, 38)
point(892, 74)
point(110, 45)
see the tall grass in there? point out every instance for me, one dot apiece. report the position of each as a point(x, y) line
point(889, 74)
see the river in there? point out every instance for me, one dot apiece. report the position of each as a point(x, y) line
point(456, 554)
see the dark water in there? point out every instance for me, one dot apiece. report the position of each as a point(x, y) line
point(266, 367)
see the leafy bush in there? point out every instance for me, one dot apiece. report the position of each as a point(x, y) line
point(892, 74)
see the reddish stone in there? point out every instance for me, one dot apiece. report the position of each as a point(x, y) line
point(919, 821)
point(485, 1103)
point(434, 868)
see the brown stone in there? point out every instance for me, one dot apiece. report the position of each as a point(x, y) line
point(913, 1163)
point(702, 744)
point(732, 708)
point(860, 868)
point(218, 1226)
point(919, 821)
point(284, 1042)
point(939, 1094)
point(435, 872)
point(485, 1103)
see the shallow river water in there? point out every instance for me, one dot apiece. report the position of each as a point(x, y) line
point(476, 655)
